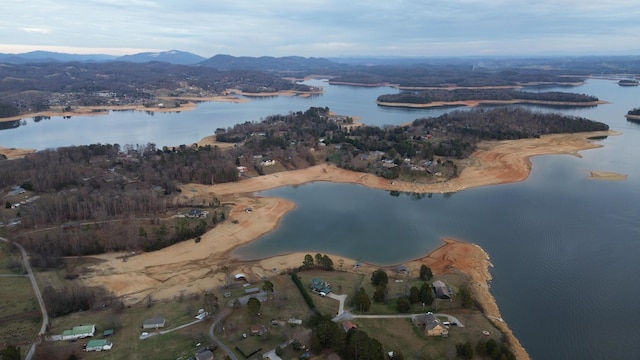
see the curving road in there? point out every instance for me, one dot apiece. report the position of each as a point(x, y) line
point(36, 290)
point(219, 317)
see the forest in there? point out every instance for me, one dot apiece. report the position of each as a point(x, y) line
point(35, 87)
point(429, 96)
point(461, 75)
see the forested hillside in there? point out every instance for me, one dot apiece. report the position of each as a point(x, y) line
point(429, 96)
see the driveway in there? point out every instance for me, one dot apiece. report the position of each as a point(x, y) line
point(36, 290)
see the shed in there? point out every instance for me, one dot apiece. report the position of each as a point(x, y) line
point(107, 333)
point(154, 323)
point(98, 345)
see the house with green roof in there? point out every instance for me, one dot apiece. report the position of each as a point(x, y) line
point(79, 332)
point(319, 285)
point(98, 345)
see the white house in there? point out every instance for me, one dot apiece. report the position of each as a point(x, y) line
point(79, 332)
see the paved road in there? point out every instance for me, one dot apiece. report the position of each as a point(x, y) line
point(219, 317)
point(36, 290)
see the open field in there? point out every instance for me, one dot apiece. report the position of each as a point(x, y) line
point(19, 313)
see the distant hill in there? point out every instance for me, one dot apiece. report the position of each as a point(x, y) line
point(176, 57)
point(268, 63)
point(48, 56)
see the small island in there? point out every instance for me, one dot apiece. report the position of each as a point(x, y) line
point(475, 97)
point(633, 115)
point(628, 82)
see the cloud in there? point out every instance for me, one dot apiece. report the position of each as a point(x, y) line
point(36, 30)
point(326, 27)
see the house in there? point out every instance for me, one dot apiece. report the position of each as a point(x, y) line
point(258, 330)
point(98, 345)
point(204, 354)
point(79, 332)
point(433, 326)
point(348, 325)
point(197, 214)
point(250, 291)
point(319, 285)
point(154, 323)
point(442, 290)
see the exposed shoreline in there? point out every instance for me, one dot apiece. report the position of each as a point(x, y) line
point(196, 267)
point(232, 95)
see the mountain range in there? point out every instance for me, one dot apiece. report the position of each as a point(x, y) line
point(220, 62)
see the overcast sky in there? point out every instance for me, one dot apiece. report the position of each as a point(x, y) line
point(323, 28)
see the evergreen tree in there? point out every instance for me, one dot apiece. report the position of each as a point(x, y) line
point(403, 304)
point(425, 273)
point(426, 294)
point(361, 301)
point(379, 277)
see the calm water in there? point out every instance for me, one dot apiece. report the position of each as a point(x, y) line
point(564, 247)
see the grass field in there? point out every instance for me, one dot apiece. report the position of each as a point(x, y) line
point(20, 317)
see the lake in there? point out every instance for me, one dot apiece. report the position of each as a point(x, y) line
point(564, 247)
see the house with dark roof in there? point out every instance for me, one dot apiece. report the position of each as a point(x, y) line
point(197, 214)
point(442, 290)
point(204, 354)
point(431, 325)
point(154, 323)
point(319, 285)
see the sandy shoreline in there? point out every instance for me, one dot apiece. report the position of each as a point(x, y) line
point(232, 95)
point(194, 267)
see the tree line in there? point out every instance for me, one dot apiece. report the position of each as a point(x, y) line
point(462, 74)
point(429, 96)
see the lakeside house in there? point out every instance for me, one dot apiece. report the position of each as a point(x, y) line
point(98, 345)
point(197, 214)
point(431, 325)
point(154, 323)
point(79, 332)
point(442, 290)
point(319, 285)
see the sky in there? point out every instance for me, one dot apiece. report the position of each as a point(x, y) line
point(323, 28)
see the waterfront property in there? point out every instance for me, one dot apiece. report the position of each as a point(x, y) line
point(79, 332)
point(320, 286)
point(430, 324)
point(442, 290)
